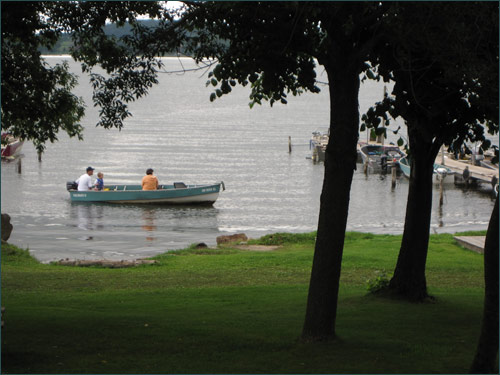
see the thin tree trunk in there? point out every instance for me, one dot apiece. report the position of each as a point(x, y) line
point(486, 358)
point(340, 162)
point(409, 280)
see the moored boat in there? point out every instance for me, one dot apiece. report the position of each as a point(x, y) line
point(11, 146)
point(178, 193)
point(380, 157)
point(440, 173)
point(318, 143)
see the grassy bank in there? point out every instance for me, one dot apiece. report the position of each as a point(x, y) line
point(237, 311)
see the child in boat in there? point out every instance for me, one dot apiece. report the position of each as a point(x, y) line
point(99, 183)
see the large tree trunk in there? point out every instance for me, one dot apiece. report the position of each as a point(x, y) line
point(340, 162)
point(409, 281)
point(486, 358)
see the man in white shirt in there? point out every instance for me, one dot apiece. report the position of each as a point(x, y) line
point(85, 181)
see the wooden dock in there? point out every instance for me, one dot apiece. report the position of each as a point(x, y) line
point(474, 243)
point(482, 174)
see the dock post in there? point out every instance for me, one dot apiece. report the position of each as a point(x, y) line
point(19, 166)
point(289, 144)
point(39, 156)
point(393, 180)
point(441, 192)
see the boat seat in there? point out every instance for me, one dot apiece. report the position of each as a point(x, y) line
point(180, 185)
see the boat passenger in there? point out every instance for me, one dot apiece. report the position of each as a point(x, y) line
point(99, 183)
point(85, 181)
point(149, 182)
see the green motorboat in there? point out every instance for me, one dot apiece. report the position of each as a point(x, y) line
point(176, 194)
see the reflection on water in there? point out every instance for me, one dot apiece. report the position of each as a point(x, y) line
point(121, 231)
point(148, 215)
point(85, 220)
point(440, 216)
point(84, 216)
point(88, 218)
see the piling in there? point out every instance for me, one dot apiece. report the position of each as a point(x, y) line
point(393, 177)
point(19, 166)
point(39, 156)
point(289, 144)
point(441, 192)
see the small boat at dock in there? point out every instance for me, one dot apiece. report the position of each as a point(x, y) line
point(11, 146)
point(176, 194)
point(379, 157)
point(318, 143)
point(441, 172)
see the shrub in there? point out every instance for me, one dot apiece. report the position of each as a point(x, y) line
point(379, 283)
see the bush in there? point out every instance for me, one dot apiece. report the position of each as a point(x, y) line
point(381, 282)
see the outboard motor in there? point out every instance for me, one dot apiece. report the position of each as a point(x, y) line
point(383, 162)
point(71, 185)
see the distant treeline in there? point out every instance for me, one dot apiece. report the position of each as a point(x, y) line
point(64, 44)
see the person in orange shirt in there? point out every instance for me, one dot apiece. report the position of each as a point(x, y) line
point(149, 182)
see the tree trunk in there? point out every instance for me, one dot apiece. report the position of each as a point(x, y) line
point(340, 162)
point(409, 281)
point(485, 360)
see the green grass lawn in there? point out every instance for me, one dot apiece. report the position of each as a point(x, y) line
point(237, 311)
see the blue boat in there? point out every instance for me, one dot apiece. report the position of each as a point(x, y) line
point(441, 172)
point(176, 194)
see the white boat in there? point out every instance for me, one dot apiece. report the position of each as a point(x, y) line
point(441, 172)
point(318, 143)
point(378, 157)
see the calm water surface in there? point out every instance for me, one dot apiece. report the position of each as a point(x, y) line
point(181, 135)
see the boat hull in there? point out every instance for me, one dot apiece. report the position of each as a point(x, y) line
point(441, 173)
point(12, 149)
point(371, 155)
point(167, 195)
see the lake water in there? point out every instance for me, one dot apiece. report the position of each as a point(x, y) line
point(179, 133)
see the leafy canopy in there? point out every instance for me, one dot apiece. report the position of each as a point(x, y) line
point(37, 101)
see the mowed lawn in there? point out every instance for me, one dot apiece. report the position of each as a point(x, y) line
point(238, 311)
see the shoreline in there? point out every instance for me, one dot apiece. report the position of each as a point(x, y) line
point(68, 56)
point(250, 245)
